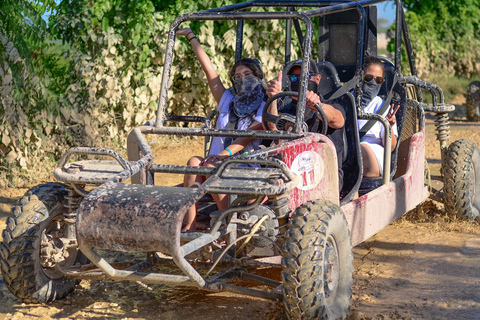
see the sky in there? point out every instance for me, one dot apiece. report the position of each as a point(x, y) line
point(386, 10)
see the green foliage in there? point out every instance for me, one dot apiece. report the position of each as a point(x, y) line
point(453, 87)
point(29, 118)
point(119, 55)
point(100, 74)
point(21, 22)
point(446, 35)
point(117, 50)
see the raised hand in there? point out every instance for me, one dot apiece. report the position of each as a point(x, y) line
point(183, 31)
point(274, 86)
point(391, 114)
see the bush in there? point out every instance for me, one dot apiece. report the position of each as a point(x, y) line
point(101, 75)
point(447, 36)
point(452, 86)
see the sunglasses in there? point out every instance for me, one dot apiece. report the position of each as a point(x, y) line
point(237, 77)
point(370, 77)
point(295, 77)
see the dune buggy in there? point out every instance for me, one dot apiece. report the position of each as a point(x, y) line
point(285, 212)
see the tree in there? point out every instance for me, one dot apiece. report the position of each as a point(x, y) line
point(119, 47)
point(446, 35)
point(26, 103)
point(22, 23)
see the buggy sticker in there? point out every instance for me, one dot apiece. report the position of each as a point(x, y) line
point(308, 166)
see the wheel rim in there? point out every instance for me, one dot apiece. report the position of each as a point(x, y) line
point(56, 251)
point(331, 270)
point(475, 197)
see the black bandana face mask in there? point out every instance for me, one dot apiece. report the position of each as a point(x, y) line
point(249, 96)
point(370, 91)
point(312, 86)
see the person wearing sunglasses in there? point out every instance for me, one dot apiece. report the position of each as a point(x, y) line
point(373, 142)
point(334, 112)
point(238, 108)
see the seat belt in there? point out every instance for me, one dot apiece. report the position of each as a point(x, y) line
point(370, 123)
point(231, 125)
point(347, 87)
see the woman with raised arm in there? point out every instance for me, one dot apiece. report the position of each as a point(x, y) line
point(239, 108)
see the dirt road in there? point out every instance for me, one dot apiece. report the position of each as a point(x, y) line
point(421, 267)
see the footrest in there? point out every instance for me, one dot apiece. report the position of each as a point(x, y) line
point(241, 176)
point(134, 217)
point(90, 171)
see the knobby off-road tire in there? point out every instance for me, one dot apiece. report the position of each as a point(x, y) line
point(317, 266)
point(473, 101)
point(32, 237)
point(461, 175)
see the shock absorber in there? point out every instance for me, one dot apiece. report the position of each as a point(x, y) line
point(69, 217)
point(442, 127)
point(279, 204)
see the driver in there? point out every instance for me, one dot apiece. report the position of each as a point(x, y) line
point(334, 112)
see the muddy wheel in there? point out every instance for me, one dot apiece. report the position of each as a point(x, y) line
point(35, 246)
point(317, 266)
point(473, 101)
point(461, 175)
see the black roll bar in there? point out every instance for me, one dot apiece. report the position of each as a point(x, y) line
point(169, 54)
point(226, 13)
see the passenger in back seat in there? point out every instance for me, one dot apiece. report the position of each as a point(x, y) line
point(373, 142)
point(239, 108)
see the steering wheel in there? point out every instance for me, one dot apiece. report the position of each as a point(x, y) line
point(286, 121)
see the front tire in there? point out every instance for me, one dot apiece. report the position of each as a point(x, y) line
point(461, 176)
point(317, 266)
point(35, 246)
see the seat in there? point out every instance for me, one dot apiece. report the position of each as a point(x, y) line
point(352, 173)
point(330, 81)
point(399, 98)
point(352, 165)
point(328, 85)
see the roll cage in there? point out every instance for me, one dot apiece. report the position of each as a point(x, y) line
point(361, 14)
point(293, 17)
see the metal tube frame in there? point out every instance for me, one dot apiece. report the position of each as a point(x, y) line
point(387, 149)
point(193, 278)
point(227, 14)
point(327, 7)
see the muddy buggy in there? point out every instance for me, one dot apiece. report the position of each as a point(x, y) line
point(285, 212)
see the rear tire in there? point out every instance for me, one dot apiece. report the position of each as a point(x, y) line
point(473, 101)
point(33, 246)
point(317, 266)
point(461, 176)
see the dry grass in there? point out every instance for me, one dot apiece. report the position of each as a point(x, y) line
point(431, 216)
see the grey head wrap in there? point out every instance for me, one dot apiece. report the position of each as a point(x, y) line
point(370, 91)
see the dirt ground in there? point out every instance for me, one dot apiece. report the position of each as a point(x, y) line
point(420, 267)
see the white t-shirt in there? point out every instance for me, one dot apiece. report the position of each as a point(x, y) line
point(218, 143)
point(377, 131)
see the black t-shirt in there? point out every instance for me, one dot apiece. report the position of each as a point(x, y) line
point(313, 122)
